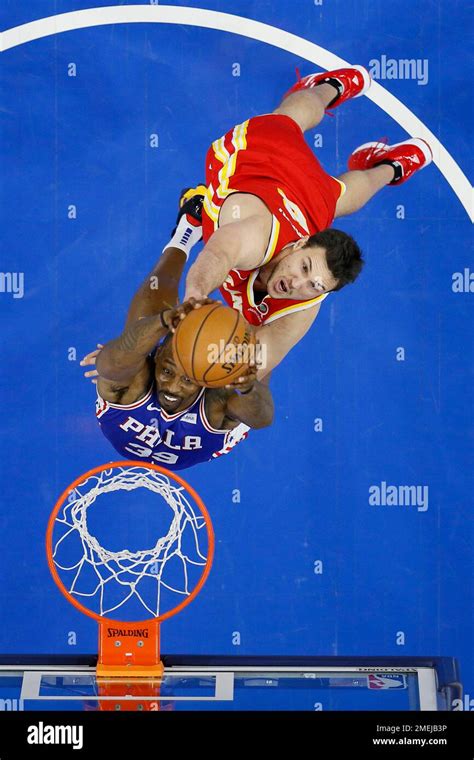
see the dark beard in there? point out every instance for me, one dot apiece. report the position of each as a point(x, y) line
point(267, 279)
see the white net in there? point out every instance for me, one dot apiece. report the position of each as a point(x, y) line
point(144, 581)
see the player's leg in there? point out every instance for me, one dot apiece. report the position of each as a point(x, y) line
point(375, 165)
point(361, 186)
point(307, 107)
point(307, 100)
point(159, 290)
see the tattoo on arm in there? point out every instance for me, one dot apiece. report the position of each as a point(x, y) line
point(159, 290)
point(121, 359)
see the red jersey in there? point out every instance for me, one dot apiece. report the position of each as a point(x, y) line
point(268, 157)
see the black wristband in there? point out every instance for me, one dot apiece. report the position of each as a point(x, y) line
point(244, 393)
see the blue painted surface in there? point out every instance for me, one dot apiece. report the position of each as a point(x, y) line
point(84, 140)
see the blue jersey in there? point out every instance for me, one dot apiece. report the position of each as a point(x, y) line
point(144, 431)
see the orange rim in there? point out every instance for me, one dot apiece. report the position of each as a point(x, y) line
point(149, 466)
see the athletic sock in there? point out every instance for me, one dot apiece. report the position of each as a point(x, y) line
point(396, 166)
point(185, 236)
point(337, 85)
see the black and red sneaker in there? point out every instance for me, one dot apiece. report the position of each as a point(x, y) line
point(406, 157)
point(350, 83)
point(190, 205)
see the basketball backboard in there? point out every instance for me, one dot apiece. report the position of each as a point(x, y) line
point(234, 683)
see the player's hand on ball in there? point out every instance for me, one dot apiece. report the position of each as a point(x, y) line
point(193, 294)
point(89, 360)
point(172, 317)
point(245, 382)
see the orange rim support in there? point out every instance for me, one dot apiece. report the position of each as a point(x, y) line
point(129, 648)
point(134, 695)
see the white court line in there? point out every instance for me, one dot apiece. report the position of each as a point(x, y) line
point(256, 30)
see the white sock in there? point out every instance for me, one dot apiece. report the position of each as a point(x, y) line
point(185, 237)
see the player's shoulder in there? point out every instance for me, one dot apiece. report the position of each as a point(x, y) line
point(295, 315)
point(215, 407)
point(215, 398)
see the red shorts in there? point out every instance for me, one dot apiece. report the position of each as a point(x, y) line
point(268, 157)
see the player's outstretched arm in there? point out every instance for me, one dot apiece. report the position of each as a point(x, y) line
point(255, 407)
point(237, 245)
point(279, 337)
point(159, 290)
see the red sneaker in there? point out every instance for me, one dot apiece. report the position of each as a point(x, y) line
point(405, 157)
point(350, 83)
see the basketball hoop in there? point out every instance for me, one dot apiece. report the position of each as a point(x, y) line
point(111, 584)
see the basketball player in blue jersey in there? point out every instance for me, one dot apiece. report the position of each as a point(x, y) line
point(146, 408)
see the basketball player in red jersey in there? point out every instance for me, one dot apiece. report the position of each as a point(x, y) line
point(269, 205)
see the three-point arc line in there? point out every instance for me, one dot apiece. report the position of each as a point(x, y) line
point(256, 30)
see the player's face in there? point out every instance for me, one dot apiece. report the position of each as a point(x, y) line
point(301, 274)
point(175, 390)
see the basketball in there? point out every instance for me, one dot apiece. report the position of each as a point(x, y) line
point(213, 345)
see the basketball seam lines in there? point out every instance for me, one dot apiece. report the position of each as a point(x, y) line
point(217, 306)
point(225, 345)
point(175, 345)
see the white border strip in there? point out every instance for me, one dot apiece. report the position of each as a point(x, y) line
point(256, 30)
point(427, 688)
point(32, 680)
